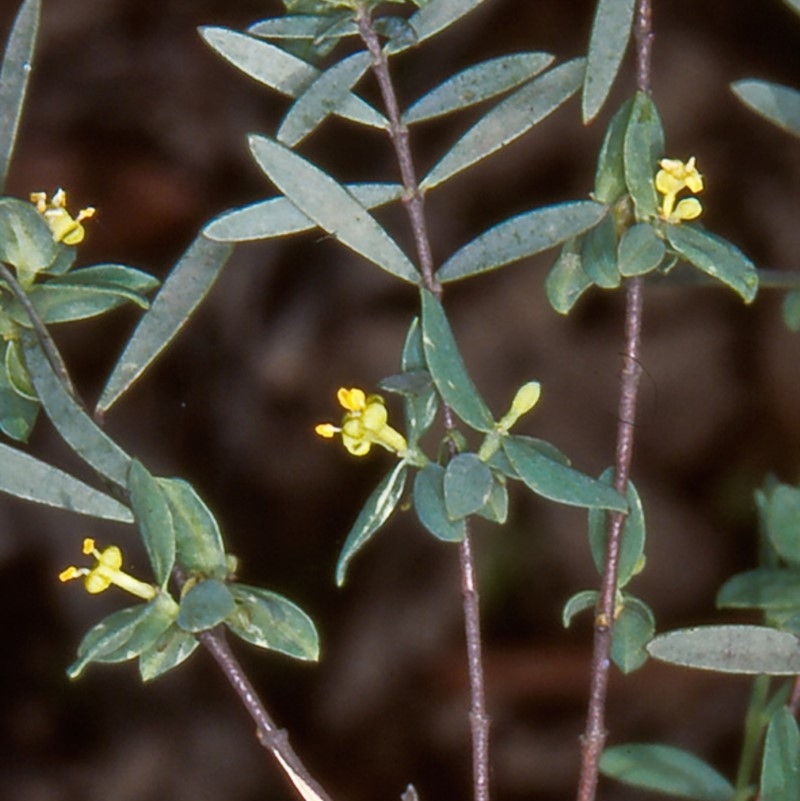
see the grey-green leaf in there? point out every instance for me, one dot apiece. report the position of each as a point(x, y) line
point(154, 520)
point(633, 629)
point(375, 512)
point(278, 216)
point(716, 257)
point(567, 280)
point(556, 481)
point(269, 620)
point(665, 769)
point(26, 240)
point(77, 429)
point(18, 413)
point(323, 96)
point(783, 522)
point(315, 27)
point(508, 120)
point(447, 367)
point(579, 602)
point(205, 605)
point(643, 147)
point(599, 254)
point(281, 71)
point(640, 250)
point(778, 104)
point(790, 309)
point(14, 74)
point(25, 477)
point(185, 287)
point(430, 507)
point(522, 236)
point(476, 84)
point(780, 773)
point(611, 31)
point(769, 588)
point(434, 17)
point(467, 484)
point(794, 5)
point(730, 649)
point(168, 651)
point(331, 206)
point(609, 182)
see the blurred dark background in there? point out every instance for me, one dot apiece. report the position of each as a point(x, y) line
point(130, 112)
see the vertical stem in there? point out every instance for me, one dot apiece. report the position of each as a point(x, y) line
point(594, 738)
point(413, 201)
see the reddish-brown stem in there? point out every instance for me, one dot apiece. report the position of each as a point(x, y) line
point(594, 738)
point(414, 203)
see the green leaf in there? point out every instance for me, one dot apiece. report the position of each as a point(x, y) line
point(665, 769)
point(567, 280)
point(323, 96)
point(522, 236)
point(331, 206)
point(496, 507)
point(199, 549)
point(778, 104)
point(185, 287)
point(269, 620)
point(476, 84)
point(14, 74)
point(434, 17)
point(17, 373)
point(17, 413)
point(791, 310)
point(278, 216)
point(633, 629)
point(77, 429)
point(611, 30)
point(205, 605)
point(780, 773)
point(640, 251)
point(25, 477)
point(716, 257)
point(281, 71)
point(508, 120)
point(599, 254)
point(467, 485)
point(125, 634)
point(316, 27)
point(557, 482)
point(420, 402)
point(643, 147)
point(783, 522)
point(631, 551)
point(168, 651)
point(154, 520)
point(26, 241)
point(447, 367)
point(609, 182)
point(730, 649)
point(580, 602)
point(375, 512)
point(768, 588)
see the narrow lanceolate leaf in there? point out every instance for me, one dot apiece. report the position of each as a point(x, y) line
point(611, 31)
point(281, 71)
point(609, 181)
point(665, 769)
point(779, 104)
point(154, 520)
point(716, 257)
point(331, 206)
point(642, 148)
point(77, 429)
point(478, 83)
point(325, 94)
point(373, 515)
point(14, 73)
point(780, 773)
point(25, 477)
point(556, 481)
point(522, 236)
point(730, 649)
point(434, 17)
point(181, 293)
point(315, 27)
point(508, 120)
point(278, 216)
point(447, 367)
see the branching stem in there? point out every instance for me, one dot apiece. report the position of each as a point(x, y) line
point(594, 738)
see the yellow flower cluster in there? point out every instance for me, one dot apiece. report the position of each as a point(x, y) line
point(106, 572)
point(673, 177)
point(65, 227)
point(365, 423)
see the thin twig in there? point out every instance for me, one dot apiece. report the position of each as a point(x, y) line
point(414, 203)
point(594, 737)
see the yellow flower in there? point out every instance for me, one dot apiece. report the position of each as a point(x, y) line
point(364, 424)
point(673, 177)
point(106, 572)
point(65, 227)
